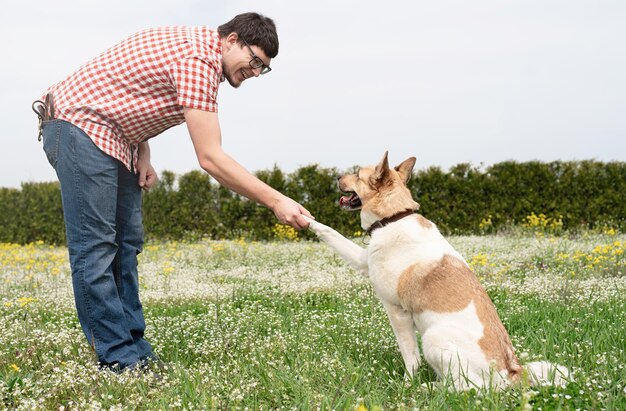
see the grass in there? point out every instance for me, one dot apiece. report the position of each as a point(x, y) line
point(289, 326)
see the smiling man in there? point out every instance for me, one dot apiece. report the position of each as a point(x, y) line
point(95, 126)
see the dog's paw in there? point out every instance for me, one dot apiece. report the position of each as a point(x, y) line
point(314, 226)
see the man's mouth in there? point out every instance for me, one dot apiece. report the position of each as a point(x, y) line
point(243, 74)
point(350, 201)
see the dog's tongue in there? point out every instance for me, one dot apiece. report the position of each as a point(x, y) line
point(344, 201)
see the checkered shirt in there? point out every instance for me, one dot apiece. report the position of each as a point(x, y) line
point(138, 88)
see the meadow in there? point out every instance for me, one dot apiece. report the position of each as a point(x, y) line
point(287, 325)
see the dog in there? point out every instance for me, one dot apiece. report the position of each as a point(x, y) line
point(425, 285)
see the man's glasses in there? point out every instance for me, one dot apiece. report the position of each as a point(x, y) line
point(256, 61)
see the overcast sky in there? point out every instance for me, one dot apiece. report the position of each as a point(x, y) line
point(479, 81)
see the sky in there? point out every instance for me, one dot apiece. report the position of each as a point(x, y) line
point(446, 81)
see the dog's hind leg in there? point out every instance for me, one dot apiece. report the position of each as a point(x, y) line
point(455, 357)
point(354, 255)
point(404, 329)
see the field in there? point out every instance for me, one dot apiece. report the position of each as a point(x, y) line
point(286, 325)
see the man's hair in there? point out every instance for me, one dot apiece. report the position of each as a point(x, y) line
point(255, 29)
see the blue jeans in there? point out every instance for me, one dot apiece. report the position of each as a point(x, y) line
point(102, 210)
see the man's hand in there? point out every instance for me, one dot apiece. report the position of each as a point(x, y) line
point(147, 174)
point(290, 212)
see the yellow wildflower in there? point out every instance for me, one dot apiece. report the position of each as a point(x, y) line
point(285, 233)
point(24, 301)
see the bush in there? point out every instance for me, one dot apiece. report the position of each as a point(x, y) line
point(33, 213)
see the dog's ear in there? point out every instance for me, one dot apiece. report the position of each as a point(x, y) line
point(405, 169)
point(381, 172)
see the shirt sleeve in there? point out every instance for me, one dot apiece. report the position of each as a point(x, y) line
point(196, 81)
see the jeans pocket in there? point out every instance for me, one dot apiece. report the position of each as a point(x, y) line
point(51, 136)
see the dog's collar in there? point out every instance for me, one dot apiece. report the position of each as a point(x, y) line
point(388, 220)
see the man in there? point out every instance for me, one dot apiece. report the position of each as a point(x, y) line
point(95, 127)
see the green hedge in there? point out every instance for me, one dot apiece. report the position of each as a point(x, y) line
point(31, 214)
point(584, 194)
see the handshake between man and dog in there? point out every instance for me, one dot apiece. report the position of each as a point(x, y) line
point(425, 285)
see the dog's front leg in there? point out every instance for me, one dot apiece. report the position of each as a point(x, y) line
point(354, 255)
point(404, 329)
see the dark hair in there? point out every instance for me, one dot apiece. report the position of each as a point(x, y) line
point(255, 29)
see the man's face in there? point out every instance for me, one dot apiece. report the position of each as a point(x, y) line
point(236, 62)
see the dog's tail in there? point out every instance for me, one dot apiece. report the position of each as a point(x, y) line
point(545, 373)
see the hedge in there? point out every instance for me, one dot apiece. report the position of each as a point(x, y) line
point(585, 194)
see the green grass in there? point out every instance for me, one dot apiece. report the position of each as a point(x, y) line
point(240, 325)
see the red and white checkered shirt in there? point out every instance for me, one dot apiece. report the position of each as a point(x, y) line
point(138, 88)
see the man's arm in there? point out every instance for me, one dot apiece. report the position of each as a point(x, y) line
point(205, 133)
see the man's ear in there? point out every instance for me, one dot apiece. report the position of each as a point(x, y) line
point(230, 40)
point(381, 171)
point(405, 169)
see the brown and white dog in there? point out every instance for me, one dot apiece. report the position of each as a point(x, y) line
point(425, 285)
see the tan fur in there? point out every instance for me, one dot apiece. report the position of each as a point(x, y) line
point(441, 288)
point(425, 223)
point(496, 343)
